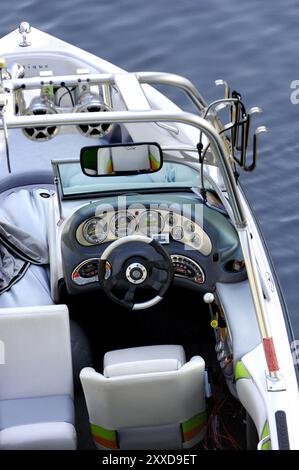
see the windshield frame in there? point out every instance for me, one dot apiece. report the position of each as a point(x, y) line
point(56, 165)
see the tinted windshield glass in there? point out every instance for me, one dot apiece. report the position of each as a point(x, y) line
point(74, 182)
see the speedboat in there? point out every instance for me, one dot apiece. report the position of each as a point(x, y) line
point(139, 307)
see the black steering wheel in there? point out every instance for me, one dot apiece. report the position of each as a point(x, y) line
point(125, 276)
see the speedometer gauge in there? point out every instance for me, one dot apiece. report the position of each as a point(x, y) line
point(95, 230)
point(151, 223)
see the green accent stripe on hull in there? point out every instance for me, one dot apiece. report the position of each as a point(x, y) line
point(241, 372)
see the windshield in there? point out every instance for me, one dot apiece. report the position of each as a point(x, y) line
point(171, 175)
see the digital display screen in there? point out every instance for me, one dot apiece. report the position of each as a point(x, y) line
point(89, 269)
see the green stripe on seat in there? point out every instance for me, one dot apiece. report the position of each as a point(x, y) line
point(102, 432)
point(241, 372)
point(192, 423)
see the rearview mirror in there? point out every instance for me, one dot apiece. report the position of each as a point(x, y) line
point(121, 159)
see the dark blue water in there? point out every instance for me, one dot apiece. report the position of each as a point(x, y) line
point(254, 45)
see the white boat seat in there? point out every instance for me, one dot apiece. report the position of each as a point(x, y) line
point(36, 410)
point(39, 436)
point(143, 360)
point(36, 384)
point(146, 398)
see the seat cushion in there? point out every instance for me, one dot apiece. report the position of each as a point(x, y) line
point(39, 436)
point(142, 360)
point(23, 411)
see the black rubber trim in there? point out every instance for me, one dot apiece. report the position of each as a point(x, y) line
point(282, 430)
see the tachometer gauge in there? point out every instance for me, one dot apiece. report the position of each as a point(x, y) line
point(151, 223)
point(95, 230)
point(123, 224)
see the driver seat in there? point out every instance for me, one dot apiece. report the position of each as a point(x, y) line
point(147, 398)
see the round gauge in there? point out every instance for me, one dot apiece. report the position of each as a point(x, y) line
point(95, 230)
point(151, 223)
point(123, 224)
point(189, 226)
point(171, 219)
point(177, 233)
point(196, 241)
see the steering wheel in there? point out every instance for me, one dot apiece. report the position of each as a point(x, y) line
point(124, 276)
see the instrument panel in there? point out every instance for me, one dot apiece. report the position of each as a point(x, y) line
point(202, 243)
point(184, 267)
point(107, 226)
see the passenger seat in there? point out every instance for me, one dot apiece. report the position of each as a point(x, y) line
point(147, 398)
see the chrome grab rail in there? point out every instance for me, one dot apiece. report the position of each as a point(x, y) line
point(64, 119)
point(151, 78)
point(106, 78)
point(60, 80)
point(212, 133)
point(156, 78)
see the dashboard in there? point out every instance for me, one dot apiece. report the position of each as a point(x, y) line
point(201, 241)
point(160, 224)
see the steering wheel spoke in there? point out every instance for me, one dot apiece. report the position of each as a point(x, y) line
point(156, 285)
point(160, 265)
point(129, 296)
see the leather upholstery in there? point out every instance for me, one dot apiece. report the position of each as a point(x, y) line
point(36, 385)
point(145, 398)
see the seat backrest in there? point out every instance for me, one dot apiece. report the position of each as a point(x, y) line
point(151, 399)
point(37, 352)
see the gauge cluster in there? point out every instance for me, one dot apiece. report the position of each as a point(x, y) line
point(216, 255)
point(108, 226)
